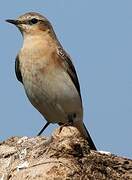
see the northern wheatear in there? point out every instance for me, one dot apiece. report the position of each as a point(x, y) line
point(48, 74)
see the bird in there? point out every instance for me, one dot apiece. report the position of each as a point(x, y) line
point(48, 75)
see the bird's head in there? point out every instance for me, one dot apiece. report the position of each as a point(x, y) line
point(32, 23)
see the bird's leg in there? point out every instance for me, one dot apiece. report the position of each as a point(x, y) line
point(45, 126)
point(70, 121)
point(71, 118)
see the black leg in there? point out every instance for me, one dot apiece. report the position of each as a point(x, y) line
point(45, 126)
point(71, 118)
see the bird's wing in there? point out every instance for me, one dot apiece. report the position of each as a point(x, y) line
point(17, 70)
point(69, 67)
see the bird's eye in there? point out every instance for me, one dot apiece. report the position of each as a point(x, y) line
point(33, 21)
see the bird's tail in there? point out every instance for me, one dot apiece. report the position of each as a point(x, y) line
point(84, 132)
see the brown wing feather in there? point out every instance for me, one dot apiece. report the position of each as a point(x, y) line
point(70, 68)
point(17, 70)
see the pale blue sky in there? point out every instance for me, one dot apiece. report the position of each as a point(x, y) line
point(98, 36)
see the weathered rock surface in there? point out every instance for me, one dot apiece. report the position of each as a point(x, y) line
point(65, 155)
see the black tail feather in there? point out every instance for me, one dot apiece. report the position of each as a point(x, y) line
point(89, 139)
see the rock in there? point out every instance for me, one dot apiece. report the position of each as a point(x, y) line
point(65, 155)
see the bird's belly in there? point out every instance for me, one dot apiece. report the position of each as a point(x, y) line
point(53, 94)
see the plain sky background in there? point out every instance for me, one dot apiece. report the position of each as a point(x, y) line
point(98, 36)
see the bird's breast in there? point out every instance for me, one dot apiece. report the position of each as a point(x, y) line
point(49, 87)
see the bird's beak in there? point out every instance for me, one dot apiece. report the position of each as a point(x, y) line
point(15, 22)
